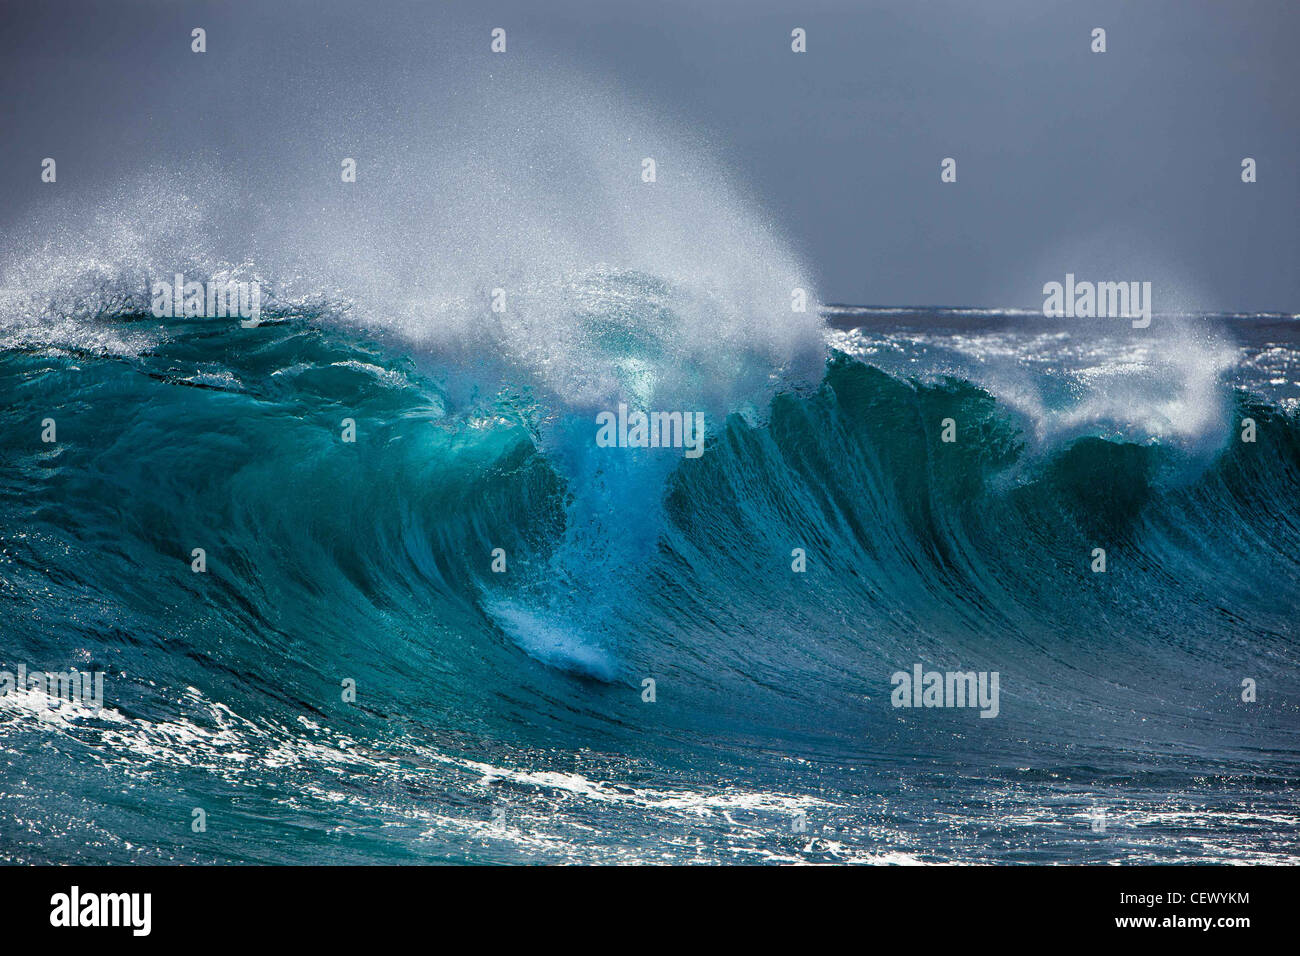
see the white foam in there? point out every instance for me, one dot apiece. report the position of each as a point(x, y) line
point(551, 641)
point(1165, 383)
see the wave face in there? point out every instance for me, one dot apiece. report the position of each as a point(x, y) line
point(432, 643)
point(501, 715)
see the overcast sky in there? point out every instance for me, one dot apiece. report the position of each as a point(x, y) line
point(1117, 166)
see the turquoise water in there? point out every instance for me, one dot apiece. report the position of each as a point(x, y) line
point(501, 716)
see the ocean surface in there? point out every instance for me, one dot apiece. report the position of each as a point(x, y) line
point(503, 716)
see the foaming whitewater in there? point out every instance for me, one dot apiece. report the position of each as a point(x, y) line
point(475, 634)
point(1090, 378)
